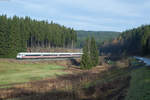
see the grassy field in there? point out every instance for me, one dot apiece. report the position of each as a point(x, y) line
point(139, 84)
point(75, 86)
point(13, 72)
point(116, 83)
point(139, 88)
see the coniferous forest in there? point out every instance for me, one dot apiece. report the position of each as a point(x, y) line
point(100, 36)
point(131, 42)
point(17, 34)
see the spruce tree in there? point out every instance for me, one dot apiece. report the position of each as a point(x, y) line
point(4, 36)
point(94, 54)
point(86, 60)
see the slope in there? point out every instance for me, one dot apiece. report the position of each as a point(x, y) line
point(99, 36)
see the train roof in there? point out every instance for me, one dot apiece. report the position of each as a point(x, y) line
point(49, 53)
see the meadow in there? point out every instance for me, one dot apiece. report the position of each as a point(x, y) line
point(126, 79)
point(139, 85)
point(37, 82)
point(15, 72)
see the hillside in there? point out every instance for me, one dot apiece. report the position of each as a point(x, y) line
point(130, 42)
point(99, 36)
point(17, 34)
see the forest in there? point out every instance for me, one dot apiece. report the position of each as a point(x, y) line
point(100, 36)
point(131, 42)
point(17, 34)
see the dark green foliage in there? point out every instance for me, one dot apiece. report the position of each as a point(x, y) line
point(132, 42)
point(136, 41)
point(90, 55)
point(86, 61)
point(94, 52)
point(4, 36)
point(99, 36)
point(18, 34)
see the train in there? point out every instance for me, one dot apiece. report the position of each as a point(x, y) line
point(45, 55)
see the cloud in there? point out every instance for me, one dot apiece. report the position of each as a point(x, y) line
point(116, 15)
point(107, 6)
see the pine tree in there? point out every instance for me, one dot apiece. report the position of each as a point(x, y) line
point(86, 60)
point(4, 36)
point(94, 54)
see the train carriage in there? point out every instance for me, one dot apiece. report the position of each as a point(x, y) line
point(38, 55)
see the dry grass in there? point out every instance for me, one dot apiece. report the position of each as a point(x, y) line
point(93, 84)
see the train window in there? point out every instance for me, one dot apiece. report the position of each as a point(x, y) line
point(50, 55)
point(77, 54)
point(32, 55)
point(46, 55)
point(64, 54)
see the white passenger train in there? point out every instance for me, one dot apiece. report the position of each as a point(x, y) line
point(39, 55)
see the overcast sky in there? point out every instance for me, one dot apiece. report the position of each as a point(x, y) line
point(98, 15)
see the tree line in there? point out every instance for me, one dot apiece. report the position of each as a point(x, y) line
point(132, 42)
point(17, 34)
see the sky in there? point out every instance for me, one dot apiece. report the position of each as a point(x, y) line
point(95, 15)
